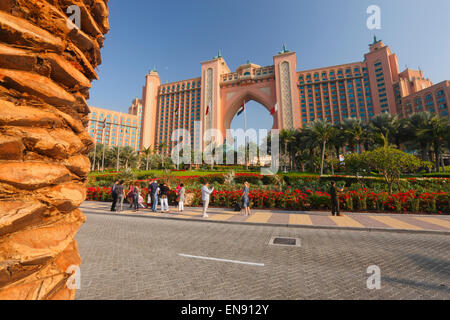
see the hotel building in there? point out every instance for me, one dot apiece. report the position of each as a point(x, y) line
point(116, 128)
point(360, 89)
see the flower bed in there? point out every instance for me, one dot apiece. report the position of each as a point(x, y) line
point(295, 199)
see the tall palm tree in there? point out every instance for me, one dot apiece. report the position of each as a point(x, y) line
point(129, 156)
point(436, 131)
point(38, 250)
point(416, 123)
point(96, 156)
point(161, 148)
point(389, 126)
point(147, 152)
point(322, 131)
point(287, 136)
point(354, 133)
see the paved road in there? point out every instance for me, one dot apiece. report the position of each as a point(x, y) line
point(127, 257)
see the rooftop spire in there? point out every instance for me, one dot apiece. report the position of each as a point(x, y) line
point(375, 40)
point(154, 68)
point(284, 50)
point(219, 55)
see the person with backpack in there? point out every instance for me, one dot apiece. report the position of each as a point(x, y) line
point(114, 195)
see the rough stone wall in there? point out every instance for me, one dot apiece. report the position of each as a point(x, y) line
point(46, 69)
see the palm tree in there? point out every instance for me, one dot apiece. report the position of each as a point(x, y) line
point(32, 265)
point(389, 126)
point(161, 148)
point(436, 132)
point(96, 156)
point(287, 136)
point(322, 131)
point(147, 152)
point(418, 122)
point(354, 133)
point(129, 156)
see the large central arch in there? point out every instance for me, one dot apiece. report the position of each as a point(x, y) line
point(224, 91)
point(236, 97)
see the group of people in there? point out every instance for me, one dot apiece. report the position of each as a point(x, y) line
point(160, 193)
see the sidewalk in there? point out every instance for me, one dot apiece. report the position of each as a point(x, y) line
point(311, 219)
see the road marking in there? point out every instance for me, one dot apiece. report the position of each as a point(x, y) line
point(346, 221)
point(300, 219)
point(440, 222)
point(395, 223)
point(261, 217)
point(222, 260)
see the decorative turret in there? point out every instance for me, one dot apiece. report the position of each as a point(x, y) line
point(219, 55)
point(284, 50)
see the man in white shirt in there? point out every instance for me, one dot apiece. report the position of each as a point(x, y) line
point(205, 198)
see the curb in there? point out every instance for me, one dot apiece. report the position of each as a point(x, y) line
point(280, 225)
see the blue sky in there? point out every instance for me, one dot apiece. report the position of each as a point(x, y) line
point(177, 35)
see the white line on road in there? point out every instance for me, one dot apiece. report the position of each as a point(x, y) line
point(222, 260)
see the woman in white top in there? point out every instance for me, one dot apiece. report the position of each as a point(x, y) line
point(181, 198)
point(205, 198)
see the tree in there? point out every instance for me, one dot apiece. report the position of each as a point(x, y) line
point(354, 133)
point(129, 157)
point(437, 131)
point(44, 117)
point(389, 126)
point(161, 148)
point(321, 131)
point(287, 136)
point(390, 163)
point(419, 122)
point(147, 152)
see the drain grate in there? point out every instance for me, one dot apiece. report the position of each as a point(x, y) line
point(285, 241)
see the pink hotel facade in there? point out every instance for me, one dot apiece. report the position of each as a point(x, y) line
point(353, 90)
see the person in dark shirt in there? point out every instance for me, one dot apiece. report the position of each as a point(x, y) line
point(163, 195)
point(335, 199)
point(114, 195)
point(153, 188)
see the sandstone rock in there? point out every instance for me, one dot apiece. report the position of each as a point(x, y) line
point(18, 214)
point(33, 175)
point(46, 66)
point(11, 148)
point(79, 165)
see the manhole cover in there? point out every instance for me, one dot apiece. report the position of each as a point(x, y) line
point(285, 241)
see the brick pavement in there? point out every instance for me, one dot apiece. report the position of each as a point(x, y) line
point(127, 257)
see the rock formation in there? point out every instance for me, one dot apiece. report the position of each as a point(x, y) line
point(46, 68)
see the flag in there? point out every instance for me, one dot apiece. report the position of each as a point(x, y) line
point(274, 109)
point(207, 109)
point(241, 109)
